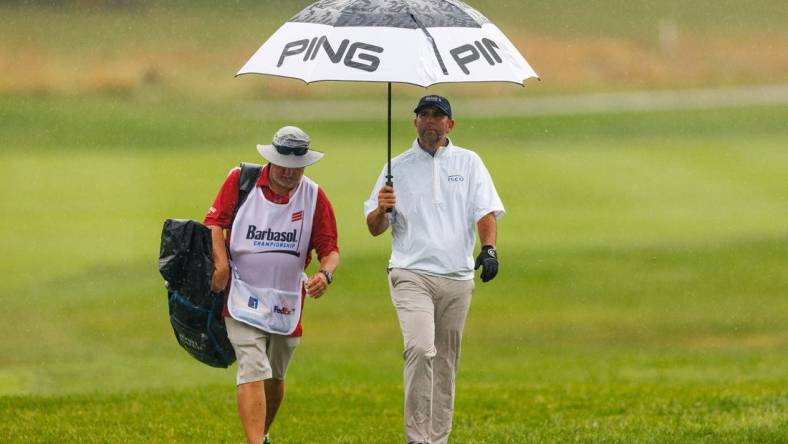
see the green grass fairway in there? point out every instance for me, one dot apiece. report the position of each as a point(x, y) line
point(643, 293)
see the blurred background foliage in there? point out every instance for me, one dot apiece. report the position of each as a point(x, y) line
point(147, 49)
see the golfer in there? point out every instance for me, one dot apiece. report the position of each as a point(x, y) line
point(444, 195)
point(282, 220)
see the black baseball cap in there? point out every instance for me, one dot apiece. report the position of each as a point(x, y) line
point(442, 103)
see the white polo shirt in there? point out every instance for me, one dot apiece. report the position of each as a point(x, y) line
point(439, 201)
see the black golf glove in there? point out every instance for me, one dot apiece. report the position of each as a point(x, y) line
point(488, 260)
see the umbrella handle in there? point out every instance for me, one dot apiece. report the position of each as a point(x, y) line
point(391, 184)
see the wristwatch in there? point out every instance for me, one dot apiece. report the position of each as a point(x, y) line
point(329, 276)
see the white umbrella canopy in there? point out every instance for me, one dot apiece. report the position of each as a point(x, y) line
point(421, 42)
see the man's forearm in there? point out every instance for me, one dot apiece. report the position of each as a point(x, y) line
point(217, 240)
point(330, 262)
point(219, 250)
point(488, 229)
point(377, 222)
point(221, 266)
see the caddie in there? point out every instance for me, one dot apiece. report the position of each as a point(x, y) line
point(270, 240)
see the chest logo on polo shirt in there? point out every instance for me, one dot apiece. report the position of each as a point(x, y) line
point(456, 178)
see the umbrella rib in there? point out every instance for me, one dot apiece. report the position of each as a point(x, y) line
point(432, 41)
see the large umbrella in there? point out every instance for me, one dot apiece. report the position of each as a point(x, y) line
point(421, 42)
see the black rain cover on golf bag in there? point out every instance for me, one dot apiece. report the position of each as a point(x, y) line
point(186, 263)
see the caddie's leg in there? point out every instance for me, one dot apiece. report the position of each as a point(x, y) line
point(451, 309)
point(250, 346)
point(274, 394)
point(280, 350)
point(413, 301)
point(251, 407)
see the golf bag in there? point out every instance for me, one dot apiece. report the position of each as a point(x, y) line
point(186, 263)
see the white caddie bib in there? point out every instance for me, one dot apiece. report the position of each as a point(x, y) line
point(269, 245)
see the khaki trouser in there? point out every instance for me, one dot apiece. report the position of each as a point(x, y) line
point(431, 312)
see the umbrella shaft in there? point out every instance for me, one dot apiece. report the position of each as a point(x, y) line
point(388, 174)
point(389, 182)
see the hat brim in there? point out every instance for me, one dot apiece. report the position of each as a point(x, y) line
point(270, 154)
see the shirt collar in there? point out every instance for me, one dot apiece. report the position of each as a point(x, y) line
point(441, 150)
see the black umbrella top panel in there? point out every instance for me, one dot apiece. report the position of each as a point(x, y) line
point(392, 13)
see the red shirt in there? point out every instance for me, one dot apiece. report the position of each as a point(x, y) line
point(324, 225)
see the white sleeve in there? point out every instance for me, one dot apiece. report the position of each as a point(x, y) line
point(485, 198)
point(372, 203)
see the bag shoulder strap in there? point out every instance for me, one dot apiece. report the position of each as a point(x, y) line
point(250, 172)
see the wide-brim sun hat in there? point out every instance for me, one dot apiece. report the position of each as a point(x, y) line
point(290, 149)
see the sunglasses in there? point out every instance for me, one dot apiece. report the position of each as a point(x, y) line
point(285, 150)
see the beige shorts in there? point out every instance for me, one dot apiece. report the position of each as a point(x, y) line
point(261, 355)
